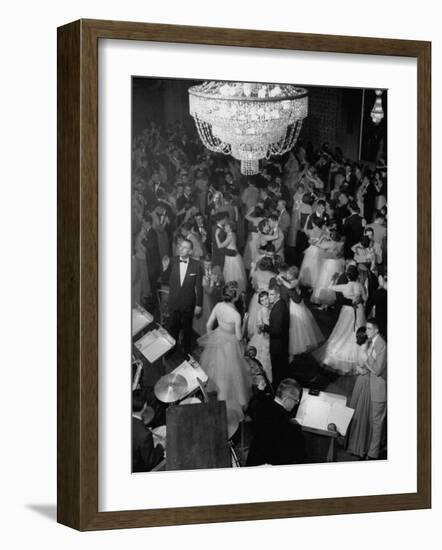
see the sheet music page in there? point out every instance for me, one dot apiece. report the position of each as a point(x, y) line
point(316, 413)
point(157, 349)
point(146, 341)
point(340, 416)
point(140, 319)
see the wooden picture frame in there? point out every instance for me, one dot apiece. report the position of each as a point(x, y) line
point(78, 274)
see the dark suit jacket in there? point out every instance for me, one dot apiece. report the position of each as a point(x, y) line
point(276, 440)
point(188, 295)
point(278, 327)
point(353, 231)
point(144, 455)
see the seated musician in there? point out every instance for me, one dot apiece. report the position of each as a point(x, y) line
point(277, 438)
point(145, 455)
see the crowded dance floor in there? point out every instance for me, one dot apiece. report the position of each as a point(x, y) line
point(266, 286)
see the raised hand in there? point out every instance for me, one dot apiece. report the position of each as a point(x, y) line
point(165, 262)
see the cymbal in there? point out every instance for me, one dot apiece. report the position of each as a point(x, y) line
point(170, 388)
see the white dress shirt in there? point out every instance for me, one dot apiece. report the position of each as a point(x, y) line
point(183, 270)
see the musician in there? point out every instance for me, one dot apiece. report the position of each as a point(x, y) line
point(277, 439)
point(145, 455)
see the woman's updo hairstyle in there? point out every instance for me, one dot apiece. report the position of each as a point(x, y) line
point(258, 212)
point(262, 225)
point(229, 293)
point(265, 264)
point(365, 241)
point(352, 273)
point(361, 336)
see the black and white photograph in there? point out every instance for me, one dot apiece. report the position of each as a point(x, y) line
point(259, 274)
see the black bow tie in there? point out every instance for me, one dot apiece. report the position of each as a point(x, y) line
point(183, 261)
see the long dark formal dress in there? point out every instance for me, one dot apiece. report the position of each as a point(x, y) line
point(359, 433)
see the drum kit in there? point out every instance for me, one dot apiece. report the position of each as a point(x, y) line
point(173, 387)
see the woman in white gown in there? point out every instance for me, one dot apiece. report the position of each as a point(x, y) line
point(333, 263)
point(223, 359)
point(260, 281)
point(295, 220)
point(233, 265)
point(254, 216)
point(305, 334)
point(261, 340)
point(341, 351)
point(313, 256)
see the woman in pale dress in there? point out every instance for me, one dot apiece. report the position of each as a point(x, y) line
point(212, 285)
point(340, 352)
point(223, 359)
point(305, 334)
point(313, 255)
point(261, 340)
point(254, 216)
point(260, 281)
point(233, 265)
point(359, 431)
point(333, 263)
point(295, 221)
point(264, 241)
point(365, 258)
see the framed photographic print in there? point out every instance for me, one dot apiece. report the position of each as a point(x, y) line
point(237, 337)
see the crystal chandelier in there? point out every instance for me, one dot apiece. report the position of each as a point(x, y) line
point(249, 121)
point(377, 113)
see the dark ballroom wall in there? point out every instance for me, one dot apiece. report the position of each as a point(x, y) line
point(334, 113)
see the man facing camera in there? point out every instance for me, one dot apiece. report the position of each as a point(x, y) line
point(278, 438)
point(278, 331)
point(377, 365)
point(184, 276)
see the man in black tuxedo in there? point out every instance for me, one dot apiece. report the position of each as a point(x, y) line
point(219, 254)
point(184, 275)
point(278, 330)
point(353, 229)
point(277, 438)
point(145, 455)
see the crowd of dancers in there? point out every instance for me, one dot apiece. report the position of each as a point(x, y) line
point(251, 263)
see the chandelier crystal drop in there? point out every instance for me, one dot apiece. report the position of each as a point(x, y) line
point(377, 113)
point(250, 121)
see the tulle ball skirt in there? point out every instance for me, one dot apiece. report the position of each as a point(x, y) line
point(341, 352)
point(253, 315)
point(234, 271)
point(251, 249)
point(261, 342)
point(304, 332)
point(223, 361)
point(311, 266)
point(322, 294)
